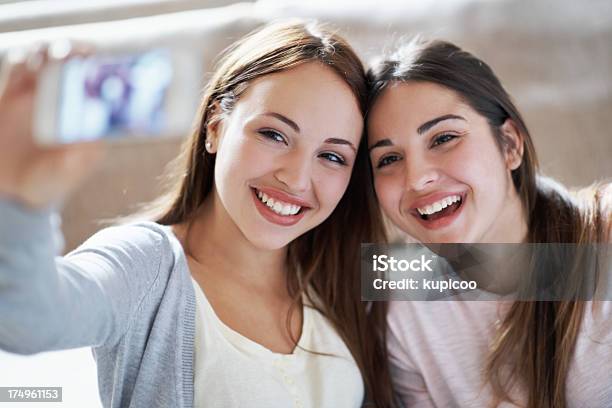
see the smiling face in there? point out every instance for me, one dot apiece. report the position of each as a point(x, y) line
point(285, 154)
point(438, 171)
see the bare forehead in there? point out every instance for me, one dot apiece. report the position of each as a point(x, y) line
point(411, 103)
point(311, 94)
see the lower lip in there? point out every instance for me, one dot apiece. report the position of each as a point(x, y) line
point(444, 221)
point(269, 215)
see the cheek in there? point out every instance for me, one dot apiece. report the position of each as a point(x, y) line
point(235, 159)
point(480, 165)
point(489, 175)
point(329, 187)
point(389, 193)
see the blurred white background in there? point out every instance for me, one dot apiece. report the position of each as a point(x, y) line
point(74, 370)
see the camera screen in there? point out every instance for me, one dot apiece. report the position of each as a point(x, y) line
point(106, 97)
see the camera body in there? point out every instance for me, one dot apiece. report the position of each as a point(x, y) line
point(124, 96)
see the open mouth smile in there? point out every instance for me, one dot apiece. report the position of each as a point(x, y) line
point(277, 207)
point(439, 213)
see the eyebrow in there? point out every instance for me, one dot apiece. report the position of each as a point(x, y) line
point(334, 140)
point(284, 119)
point(381, 143)
point(431, 123)
point(420, 130)
point(294, 126)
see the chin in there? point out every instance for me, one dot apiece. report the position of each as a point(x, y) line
point(272, 246)
point(449, 237)
point(442, 240)
point(267, 242)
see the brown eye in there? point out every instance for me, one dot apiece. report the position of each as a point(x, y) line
point(386, 160)
point(441, 139)
point(333, 157)
point(273, 135)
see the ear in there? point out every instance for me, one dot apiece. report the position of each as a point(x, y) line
point(513, 143)
point(214, 127)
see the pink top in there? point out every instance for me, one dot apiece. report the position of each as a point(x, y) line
point(438, 350)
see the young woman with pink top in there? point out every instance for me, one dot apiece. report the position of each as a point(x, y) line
point(453, 162)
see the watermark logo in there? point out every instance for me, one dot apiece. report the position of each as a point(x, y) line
point(384, 263)
point(524, 271)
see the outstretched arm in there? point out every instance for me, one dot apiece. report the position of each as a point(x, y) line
point(87, 298)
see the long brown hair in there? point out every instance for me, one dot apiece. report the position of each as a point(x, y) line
point(536, 339)
point(325, 259)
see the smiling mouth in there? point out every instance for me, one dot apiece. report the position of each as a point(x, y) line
point(278, 206)
point(440, 209)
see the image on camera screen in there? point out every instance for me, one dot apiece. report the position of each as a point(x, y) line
point(102, 98)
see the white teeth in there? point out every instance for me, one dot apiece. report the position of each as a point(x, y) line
point(438, 205)
point(286, 209)
point(278, 206)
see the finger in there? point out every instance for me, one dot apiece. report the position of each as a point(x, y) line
point(13, 70)
point(37, 57)
point(81, 49)
point(60, 49)
point(17, 55)
point(64, 49)
point(21, 68)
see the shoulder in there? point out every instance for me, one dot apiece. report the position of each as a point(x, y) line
point(598, 321)
point(145, 236)
point(135, 262)
point(145, 244)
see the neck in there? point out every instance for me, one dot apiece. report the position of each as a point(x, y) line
point(214, 241)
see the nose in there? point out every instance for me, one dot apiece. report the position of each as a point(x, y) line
point(419, 173)
point(295, 172)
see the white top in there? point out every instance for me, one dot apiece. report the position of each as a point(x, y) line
point(438, 350)
point(231, 370)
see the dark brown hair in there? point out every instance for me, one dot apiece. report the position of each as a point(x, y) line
point(536, 338)
point(326, 258)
